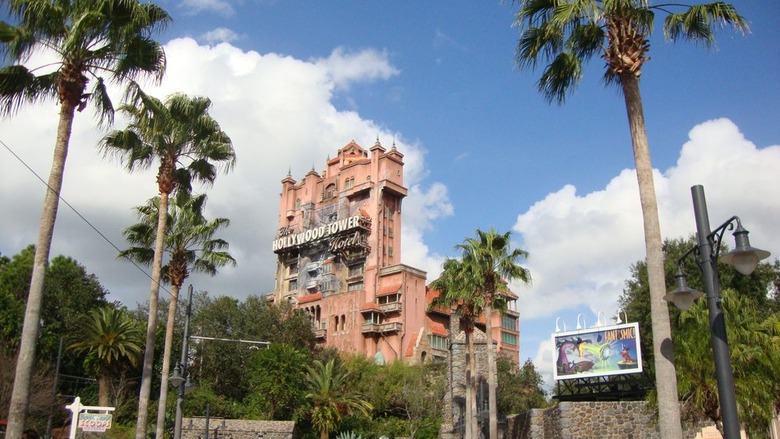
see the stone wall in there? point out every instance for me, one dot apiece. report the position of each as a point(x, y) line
point(195, 428)
point(590, 420)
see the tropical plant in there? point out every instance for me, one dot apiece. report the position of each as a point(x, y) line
point(191, 246)
point(457, 288)
point(189, 144)
point(330, 399)
point(110, 337)
point(754, 357)
point(92, 40)
point(493, 264)
point(568, 32)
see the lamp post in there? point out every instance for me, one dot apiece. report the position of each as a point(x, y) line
point(179, 377)
point(745, 259)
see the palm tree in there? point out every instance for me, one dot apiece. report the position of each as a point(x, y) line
point(110, 337)
point(493, 264)
point(191, 246)
point(92, 40)
point(330, 398)
point(568, 32)
point(187, 142)
point(457, 287)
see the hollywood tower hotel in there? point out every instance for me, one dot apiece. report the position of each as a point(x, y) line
point(339, 255)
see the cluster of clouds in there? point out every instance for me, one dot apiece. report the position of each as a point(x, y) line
point(280, 114)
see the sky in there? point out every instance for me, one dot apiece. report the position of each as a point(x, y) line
point(292, 81)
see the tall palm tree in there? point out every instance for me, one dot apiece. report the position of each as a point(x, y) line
point(93, 41)
point(493, 264)
point(189, 144)
point(457, 287)
point(191, 246)
point(566, 33)
point(330, 398)
point(110, 337)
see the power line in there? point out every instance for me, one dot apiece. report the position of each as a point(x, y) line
point(83, 218)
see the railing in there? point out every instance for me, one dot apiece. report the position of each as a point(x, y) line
point(381, 328)
point(390, 307)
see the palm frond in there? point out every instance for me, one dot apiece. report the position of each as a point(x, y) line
point(698, 22)
point(560, 77)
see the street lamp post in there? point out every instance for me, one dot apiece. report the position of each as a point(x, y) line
point(745, 259)
point(179, 377)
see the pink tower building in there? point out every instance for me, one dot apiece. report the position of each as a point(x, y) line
point(339, 255)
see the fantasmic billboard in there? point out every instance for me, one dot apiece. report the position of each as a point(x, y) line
point(594, 352)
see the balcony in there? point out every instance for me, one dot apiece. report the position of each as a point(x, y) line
point(390, 307)
point(382, 328)
point(319, 334)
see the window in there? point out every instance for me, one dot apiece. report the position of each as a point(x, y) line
point(509, 338)
point(297, 204)
point(390, 298)
point(293, 268)
point(508, 322)
point(355, 286)
point(390, 251)
point(356, 270)
point(348, 183)
point(293, 285)
point(372, 318)
point(437, 341)
point(330, 191)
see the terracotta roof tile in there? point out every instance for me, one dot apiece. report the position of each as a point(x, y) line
point(310, 298)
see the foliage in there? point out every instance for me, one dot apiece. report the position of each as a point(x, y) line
point(750, 305)
point(330, 400)
point(276, 389)
point(112, 340)
point(519, 389)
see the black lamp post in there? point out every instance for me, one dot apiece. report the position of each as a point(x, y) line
point(745, 259)
point(179, 377)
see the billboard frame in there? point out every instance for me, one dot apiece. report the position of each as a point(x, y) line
point(599, 351)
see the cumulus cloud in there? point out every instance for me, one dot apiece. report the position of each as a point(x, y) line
point(279, 113)
point(219, 35)
point(582, 245)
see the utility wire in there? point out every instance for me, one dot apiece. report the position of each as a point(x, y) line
point(83, 218)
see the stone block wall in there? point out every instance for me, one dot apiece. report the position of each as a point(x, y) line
point(591, 420)
point(195, 428)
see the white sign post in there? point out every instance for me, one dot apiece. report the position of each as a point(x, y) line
point(92, 421)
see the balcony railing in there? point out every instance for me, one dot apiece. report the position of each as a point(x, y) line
point(390, 307)
point(382, 328)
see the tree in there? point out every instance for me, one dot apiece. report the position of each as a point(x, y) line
point(568, 32)
point(277, 381)
point(519, 389)
point(750, 306)
point(330, 400)
point(493, 264)
point(457, 287)
point(91, 39)
point(109, 336)
point(189, 144)
point(191, 246)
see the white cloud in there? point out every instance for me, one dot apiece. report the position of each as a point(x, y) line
point(581, 246)
point(279, 114)
point(345, 67)
point(219, 35)
point(221, 7)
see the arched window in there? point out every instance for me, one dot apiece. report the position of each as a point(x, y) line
point(330, 191)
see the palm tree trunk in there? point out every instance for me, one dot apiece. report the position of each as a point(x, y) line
point(104, 389)
point(20, 395)
point(491, 358)
point(472, 381)
point(166, 365)
point(151, 324)
point(665, 377)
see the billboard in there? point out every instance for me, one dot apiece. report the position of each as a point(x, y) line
point(594, 352)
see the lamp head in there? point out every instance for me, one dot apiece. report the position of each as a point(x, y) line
point(682, 296)
point(176, 379)
point(744, 257)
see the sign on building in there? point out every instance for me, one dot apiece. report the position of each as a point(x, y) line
point(607, 350)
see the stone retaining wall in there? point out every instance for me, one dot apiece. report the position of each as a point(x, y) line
point(195, 428)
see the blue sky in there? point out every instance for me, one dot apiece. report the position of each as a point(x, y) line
point(293, 81)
